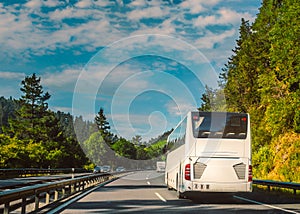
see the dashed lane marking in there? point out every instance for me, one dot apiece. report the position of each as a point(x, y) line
point(160, 197)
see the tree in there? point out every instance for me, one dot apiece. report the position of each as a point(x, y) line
point(8, 108)
point(262, 78)
point(103, 126)
point(36, 136)
point(124, 148)
point(137, 140)
point(32, 118)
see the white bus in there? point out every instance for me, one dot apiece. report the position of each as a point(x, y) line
point(160, 166)
point(210, 152)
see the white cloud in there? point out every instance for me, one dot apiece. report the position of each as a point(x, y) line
point(193, 6)
point(223, 16)
point(84, 4)
point(102, 25)
point(152, 12)
point(52, 3)
point(64, 80)
point(179, 108)
point(70, 12)
point(138, 3)
point(11, 75)
point(208, 41)
point(34, 4)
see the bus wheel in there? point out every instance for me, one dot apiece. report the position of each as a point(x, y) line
point(180, 194)
point(169, 188)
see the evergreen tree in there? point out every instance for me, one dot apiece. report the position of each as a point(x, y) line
point(8, 108)
point(103, 126)
point(32, 117)
point(137, 140)
point(262, 78)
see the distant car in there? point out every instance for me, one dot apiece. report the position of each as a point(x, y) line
point(97, 169)
point(106, 168)
point(120, 169)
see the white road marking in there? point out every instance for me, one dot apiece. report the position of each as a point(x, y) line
point(160, 197)
point(266, 205)
point(148, 183)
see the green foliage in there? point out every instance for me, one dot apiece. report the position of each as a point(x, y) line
point(7, 110)
point(263, 78)
point(13, 152)
point(262, 162)
point(124, 148)
point(156, 149)
point(95, 148)
point(34, 137)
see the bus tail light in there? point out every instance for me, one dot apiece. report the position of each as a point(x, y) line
point(250, 174)
point(187, 172)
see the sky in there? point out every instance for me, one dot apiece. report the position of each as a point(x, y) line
point(146, 62)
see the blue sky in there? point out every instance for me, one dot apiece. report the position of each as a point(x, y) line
point(145, 61)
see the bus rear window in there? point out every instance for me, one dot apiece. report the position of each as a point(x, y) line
point(220, 125)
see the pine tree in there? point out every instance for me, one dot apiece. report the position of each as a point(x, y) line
point(36, 127)
point(103, 126)
point(32, 117)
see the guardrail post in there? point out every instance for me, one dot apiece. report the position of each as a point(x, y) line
point(63, 191)
point(36, 201)
point(6, 208)
point(55, 195)
point(47, 197)
point(295, 191)
point(72, 188)
point(23, 207)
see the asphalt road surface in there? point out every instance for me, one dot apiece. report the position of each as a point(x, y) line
point(145, 192)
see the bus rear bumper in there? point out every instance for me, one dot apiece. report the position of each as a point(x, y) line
point(220, 187)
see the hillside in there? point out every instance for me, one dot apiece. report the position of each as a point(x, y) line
point(262, 77)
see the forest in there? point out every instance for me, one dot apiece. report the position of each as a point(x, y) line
point(34, 136)
point(261, 77)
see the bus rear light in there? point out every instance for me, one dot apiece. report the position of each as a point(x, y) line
point(187, 172)
point(250, 174)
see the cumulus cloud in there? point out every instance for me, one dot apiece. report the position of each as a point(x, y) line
point(11, 75)
point(208, 41)
point(64, 80)
point(100, 24)
point(193, 6)
point(179, 108)
point(152, 12)
point(223, 16)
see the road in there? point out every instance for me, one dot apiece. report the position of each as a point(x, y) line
point(145, 192)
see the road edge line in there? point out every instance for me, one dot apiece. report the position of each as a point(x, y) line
point(266, 205)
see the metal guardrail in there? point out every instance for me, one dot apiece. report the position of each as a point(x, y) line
point(278, 184)
point(49, 193)
point(23, 172)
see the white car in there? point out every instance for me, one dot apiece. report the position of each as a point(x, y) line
point(106, 168)
point(120, 169)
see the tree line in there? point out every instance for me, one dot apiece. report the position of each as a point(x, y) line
point(262, 77)
point(34, 136)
